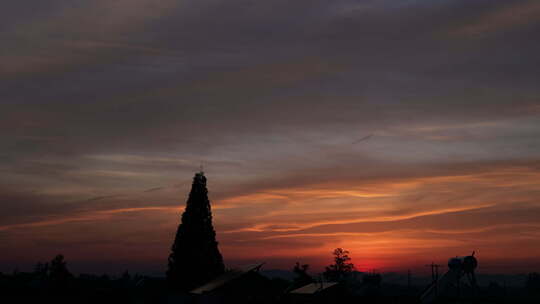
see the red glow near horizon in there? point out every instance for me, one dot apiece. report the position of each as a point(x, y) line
point(306, 224)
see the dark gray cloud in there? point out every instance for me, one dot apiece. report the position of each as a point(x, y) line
point(113, 104)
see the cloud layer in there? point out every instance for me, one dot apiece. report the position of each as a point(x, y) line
point(404, 131)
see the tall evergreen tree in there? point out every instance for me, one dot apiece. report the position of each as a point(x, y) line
point(195, 258)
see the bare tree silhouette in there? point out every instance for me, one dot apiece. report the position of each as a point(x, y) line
point(341, 267)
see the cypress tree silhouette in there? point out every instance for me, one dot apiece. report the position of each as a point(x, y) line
point(195, 258)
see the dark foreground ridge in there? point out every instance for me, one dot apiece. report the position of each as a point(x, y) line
point(53, 283)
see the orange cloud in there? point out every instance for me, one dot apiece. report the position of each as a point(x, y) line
point(385, 222)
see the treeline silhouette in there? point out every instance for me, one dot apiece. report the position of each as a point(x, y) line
point(52, 282)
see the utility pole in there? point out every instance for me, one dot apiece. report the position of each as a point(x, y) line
point(434, 271)
point(434, 274)
point(409, 280)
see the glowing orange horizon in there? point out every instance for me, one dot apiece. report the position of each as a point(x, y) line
point(308, 222)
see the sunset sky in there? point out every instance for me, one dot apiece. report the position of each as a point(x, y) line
point(406, 131)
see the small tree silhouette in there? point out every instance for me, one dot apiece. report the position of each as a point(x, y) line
point(58, 272)
point(302, 277)
point(125, 276)
point(341, 267)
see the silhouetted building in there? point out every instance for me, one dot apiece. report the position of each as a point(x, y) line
point(240, 286)
point(195, 258)
point(313, 288)
point(319, 292)
point(226, 278)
